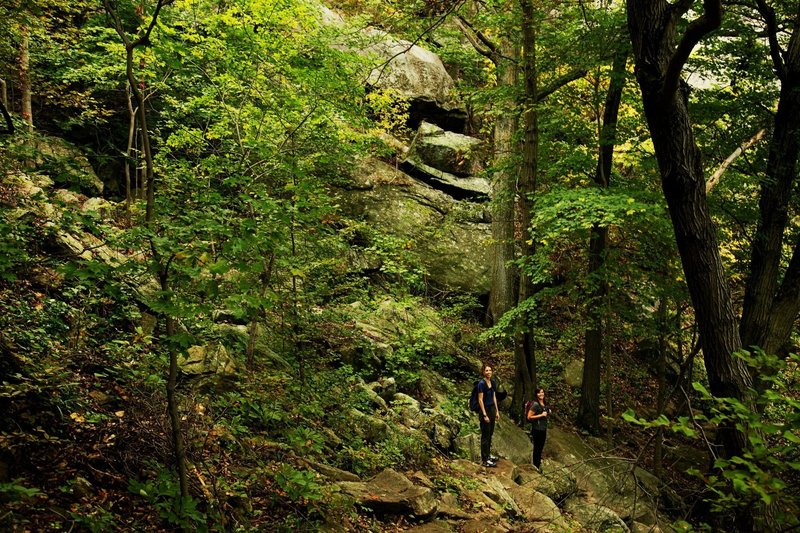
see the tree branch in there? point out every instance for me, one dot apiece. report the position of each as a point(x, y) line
point(709, 21)
point(714, 179)
point(772, 34)
point(471, 33)
point(560, 82)
point(145, 38)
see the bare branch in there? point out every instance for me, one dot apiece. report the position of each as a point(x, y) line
point(714, 179)
point(491, 48)
point(471, 33)
point(145, 38)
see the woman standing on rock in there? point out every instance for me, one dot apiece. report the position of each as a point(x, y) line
point(537, 415)
point(489, 414)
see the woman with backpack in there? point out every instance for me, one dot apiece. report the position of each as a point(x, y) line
point(488, 413)
point(537, 415)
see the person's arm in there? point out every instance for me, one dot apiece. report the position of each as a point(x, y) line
point(483, 407)
point(532, 413)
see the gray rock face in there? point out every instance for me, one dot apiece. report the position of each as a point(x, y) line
point(406, 68)
point(210, 366)
point(459, 187)
point(595, 517)
point(451, 239)
point(392, 492)
point(450, 152)
point(211, 359)
point(629, 492)
point(55, 156)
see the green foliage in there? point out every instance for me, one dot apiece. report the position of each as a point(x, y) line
point(390, 110)
point(305, 441)
point(298, 486)
point(164, 494)
point(16, 491)
point(14, 239)
point(397, 260)
point(96, 519)
point(767, 473)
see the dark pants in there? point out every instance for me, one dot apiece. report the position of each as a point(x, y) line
point(487, 430)
point(538, 436)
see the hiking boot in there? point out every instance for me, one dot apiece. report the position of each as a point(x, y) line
point(489, 464)
point(493, 458)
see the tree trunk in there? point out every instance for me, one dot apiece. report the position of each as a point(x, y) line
point(661, 398)
point(502, 295)
point(172, 401)
point(25, 77)
point(524, 354)
point(128, 150)
point(770, 309)
point(659, 62)
point(589, 408)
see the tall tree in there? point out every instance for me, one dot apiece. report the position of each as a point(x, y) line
point(772, 295)
point(654, 27)
point(25, 76)
point(589, 409)
point(524, 354)
point(162, 263)
point(504, 55)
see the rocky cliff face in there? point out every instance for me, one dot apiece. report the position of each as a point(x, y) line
point(434, 196)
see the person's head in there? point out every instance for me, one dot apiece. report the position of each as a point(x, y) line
point(539, 393)
point(486, 371)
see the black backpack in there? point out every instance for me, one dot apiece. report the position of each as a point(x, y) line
point(474, 406)
point(500, 394)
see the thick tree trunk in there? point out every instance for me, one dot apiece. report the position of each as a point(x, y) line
point(658, 64)
point(502, 295)
point(524, 354)
point(589, 408)
point(769, 309)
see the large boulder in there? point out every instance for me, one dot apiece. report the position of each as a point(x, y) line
point(538, 508)
point(406, 70)
point(451, 239)
point(64, 161)
point(210, 366)
point(509, 441)
point(628, 491)
point(390, 492)
point(595, 517)
point(459, 187)
point(405, 67)
point(450, 152)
